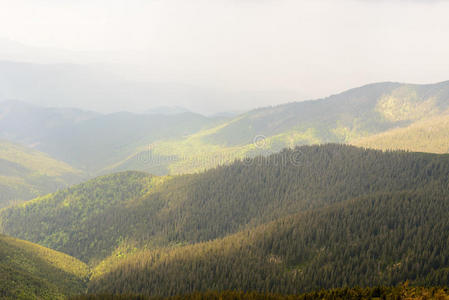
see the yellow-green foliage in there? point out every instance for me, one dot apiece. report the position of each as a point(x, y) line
point(404, 104)
point(34, 160)
point(26, 173)
point(192, 154)
point(30, 271)
point(430, 135)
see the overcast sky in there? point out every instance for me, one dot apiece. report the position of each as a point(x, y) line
point(309, 48)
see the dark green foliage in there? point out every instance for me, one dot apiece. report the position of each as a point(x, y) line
point(304, 219)
point(388, 293)
point(383, 239)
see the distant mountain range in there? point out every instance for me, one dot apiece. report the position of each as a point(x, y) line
point(363, 116)
point(171, 140)
point(167, 110)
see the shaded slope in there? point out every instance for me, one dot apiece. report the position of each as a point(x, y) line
point(27, 124)
point(29, 271)
point(97, 143)
point(371, 293)
point(70, 220)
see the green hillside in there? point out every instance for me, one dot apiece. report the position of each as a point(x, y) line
point(120, 212)
point(429, 135)
point(29, 271)
point(70, 220)
point(380, 239)
point(27, 173)
point(343, 118)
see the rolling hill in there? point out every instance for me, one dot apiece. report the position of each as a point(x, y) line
point(187, 142)
point(303, 219)
point(380, 239)
point(26, 173)
point(30, 271)
point(118, 212)
point(344, 118)
point(27, 124)
point(88, 141)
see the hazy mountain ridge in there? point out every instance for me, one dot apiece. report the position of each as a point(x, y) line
point(92, 141)
point(27, 124)
point(344, 118)
point(188, 142)
point(361, 111)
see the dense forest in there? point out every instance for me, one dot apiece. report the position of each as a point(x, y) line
point(402, 291)
point(304, 219)
point(91, 220)
point(381, 239)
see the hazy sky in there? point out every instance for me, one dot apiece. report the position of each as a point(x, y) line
point(310, 48)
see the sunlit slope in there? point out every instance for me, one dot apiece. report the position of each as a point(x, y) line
point(129, 210)
point(26, 173)
point(430, 135)
point(342, 118)
point(72, 220)
point(29, 271)
point(379, 239)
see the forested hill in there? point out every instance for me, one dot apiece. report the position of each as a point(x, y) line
point(126, 210)
point(379, 239)
point(29, 271)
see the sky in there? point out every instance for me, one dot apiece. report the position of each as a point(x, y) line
point(291, 50)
